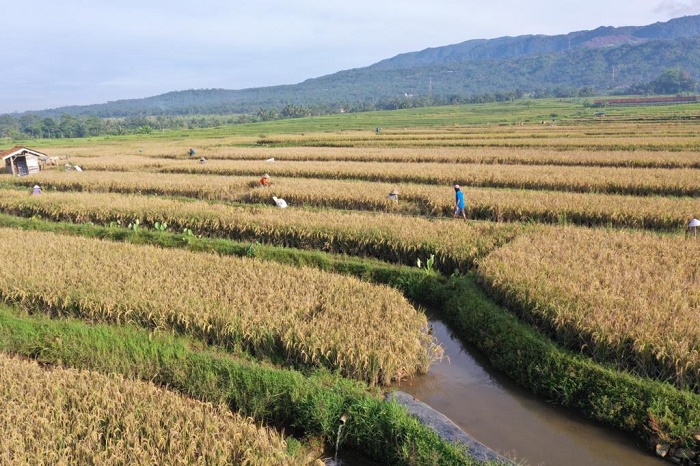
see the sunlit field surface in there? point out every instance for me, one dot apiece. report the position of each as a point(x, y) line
point(66, 416)
point(577, 227)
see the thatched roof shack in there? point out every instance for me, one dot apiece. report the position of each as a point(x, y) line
point(22, 161)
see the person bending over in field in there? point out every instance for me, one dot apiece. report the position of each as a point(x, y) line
point(265, 181)
point(459, 203)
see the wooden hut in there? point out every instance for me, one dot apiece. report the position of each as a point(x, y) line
point(22, 161)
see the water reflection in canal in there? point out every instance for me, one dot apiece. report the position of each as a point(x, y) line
point(508, 419)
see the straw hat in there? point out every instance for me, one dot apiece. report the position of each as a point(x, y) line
point(266, 175)
point(456, 186)
point(36, 186)
point(694, 223)
point(394, 192)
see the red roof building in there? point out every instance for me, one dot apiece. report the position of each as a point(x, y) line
point(21, 161)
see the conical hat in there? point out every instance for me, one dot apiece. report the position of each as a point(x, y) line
point(394, 192)
point(694, 223)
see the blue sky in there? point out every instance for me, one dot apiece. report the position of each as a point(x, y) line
point(77, 52)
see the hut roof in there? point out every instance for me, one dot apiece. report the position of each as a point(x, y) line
point(19, 150)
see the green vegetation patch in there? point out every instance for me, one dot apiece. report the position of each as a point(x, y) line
point(310, 404)
point(654, 411)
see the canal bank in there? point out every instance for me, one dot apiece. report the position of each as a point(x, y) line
point(510, 420)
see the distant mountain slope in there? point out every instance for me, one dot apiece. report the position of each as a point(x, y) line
point(512, 47)
point(601, 68)
point(603, 59)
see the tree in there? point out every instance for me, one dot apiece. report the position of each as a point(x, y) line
point(294, 111)
point(266, 115)
point(93, 126)
point(30, 125)
point(673, 81)
point(49, 128)
point(68, 125)
point(9, 127)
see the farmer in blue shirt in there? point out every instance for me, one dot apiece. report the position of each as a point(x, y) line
point(459, 203)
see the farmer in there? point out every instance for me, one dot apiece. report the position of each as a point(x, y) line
point(192, 152)
point(393, 195)
point(202, 160)
point(36, 189)
point(265, 181)
point(459, 203)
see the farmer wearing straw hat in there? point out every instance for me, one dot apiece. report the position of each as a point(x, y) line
point(265, 181)
point(36, 189)
point(459, 203)
point(393, 195)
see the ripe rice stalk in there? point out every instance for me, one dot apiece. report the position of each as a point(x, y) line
point(395, 238)
point(627, 298)
point(612, 180)
point(227, 300)
point(614, 156)
point(66, 416)
point(499, 205)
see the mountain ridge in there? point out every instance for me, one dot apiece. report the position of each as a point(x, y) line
point(512, 46)
point(604, 59)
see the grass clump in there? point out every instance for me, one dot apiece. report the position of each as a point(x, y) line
point(308, 405)
point(654, 411)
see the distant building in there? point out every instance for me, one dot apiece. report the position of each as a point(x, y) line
point(658, 100)
point(21, 161)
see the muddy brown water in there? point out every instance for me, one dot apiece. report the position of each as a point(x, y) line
point(512, 421)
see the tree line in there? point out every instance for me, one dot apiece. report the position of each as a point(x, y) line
point(35, 126)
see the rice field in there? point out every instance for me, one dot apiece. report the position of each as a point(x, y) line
point(442, 154)
point(639, 175)
point(612, 180)
point(67, 416)
point(625, 297)
point(391, 237)
point(309, 317)
point(665, 213)
point(578, 230)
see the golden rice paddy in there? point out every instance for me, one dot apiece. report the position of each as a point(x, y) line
point(639, 175)
point(66, 416)
point(312, 318)
point(625, 297)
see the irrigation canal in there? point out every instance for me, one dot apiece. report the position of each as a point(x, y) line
point(512, 421)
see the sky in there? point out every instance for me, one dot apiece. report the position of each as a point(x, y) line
point(80, 52)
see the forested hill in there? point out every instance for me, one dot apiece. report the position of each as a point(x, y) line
point(512, 47)
point(603, 60)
